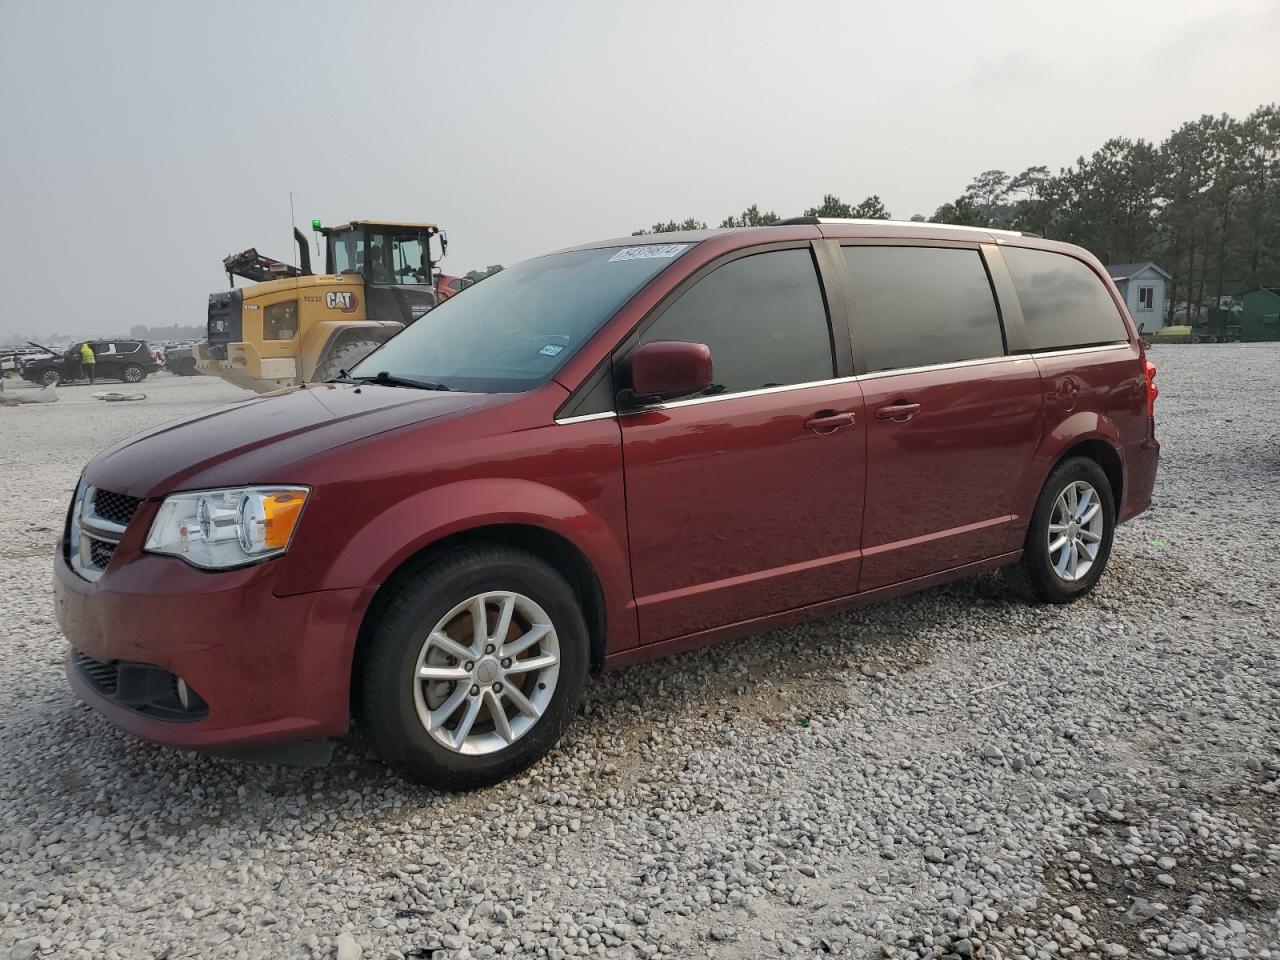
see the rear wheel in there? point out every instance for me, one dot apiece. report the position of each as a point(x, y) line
point(343, 358)
point(133, 374)
point(472, 668)
point(1069, 538)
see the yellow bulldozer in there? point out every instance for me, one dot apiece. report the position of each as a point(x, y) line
point(290, 326)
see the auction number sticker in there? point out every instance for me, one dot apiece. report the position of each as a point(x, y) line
point(652, 251)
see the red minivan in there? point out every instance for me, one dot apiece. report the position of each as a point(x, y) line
point(614, 452)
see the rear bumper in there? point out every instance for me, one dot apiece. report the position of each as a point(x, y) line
point(267, 668)
point(1141, 458)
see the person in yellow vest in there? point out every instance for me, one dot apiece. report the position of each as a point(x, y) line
point(87, 360)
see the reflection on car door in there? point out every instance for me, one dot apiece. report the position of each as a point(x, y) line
point(946, 446)
point(741, 504)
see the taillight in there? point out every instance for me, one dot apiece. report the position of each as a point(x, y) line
point(1149, 369)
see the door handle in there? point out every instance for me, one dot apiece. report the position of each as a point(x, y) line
point(824, 421)
point(898, 411)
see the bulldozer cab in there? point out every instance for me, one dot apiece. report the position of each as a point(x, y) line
point(394, 260)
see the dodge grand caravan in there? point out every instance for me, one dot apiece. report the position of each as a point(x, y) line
point(614, 452)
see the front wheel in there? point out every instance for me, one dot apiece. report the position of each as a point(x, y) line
point(1069, 538)
point(343, 358)
point(50, 377)
point(472, 668)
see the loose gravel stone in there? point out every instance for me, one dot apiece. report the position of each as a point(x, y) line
point(951, 774)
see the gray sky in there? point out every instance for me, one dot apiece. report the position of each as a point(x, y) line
point(145, 141)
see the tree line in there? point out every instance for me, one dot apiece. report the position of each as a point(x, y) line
point(1204, 203)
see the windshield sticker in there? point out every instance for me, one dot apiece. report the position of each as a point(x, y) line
point(653, 251)
point(552, 350)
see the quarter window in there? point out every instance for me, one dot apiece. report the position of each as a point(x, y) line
point(763, 317)
point(918, 306)
point(1064, 304)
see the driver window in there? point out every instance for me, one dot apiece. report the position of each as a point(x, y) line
point(408, 264)
point(763, 317)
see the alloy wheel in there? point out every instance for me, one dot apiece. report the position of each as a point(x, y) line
point(486, 672)
point(1076, 525)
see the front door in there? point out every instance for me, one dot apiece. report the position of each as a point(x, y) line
point(747, 501)
point(952, 420)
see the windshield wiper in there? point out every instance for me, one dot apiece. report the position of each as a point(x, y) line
point(385, 379)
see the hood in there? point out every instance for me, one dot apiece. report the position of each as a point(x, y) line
point(252, 441)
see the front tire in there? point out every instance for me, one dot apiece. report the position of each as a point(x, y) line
point(50, 377)
point(344, 358)
point(472, 667)
point(1069, 538)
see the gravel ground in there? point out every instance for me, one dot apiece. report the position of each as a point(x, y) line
point(951, 774)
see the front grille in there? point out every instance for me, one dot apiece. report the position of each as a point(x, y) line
point(118, 508)
point(102, 674)
point(100, 552)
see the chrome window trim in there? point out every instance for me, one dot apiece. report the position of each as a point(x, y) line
point(976, 362)
point(874, 375)
point(586, 417)
point(762, 391)
point(1119, 345)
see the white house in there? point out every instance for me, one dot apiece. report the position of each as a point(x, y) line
point(1143, 287)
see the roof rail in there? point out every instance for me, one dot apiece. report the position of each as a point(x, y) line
point(814, 221)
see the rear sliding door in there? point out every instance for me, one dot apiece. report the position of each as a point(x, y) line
point(952, 418)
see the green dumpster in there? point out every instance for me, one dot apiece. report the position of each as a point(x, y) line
point(1260, 319)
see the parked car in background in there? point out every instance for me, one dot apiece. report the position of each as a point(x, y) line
point(181, 361)
point(447, 286)
point(12, 359)
point(614, 452)
point(127, 360)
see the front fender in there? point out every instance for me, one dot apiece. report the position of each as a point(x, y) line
point(1074, 429)
point(372, 553)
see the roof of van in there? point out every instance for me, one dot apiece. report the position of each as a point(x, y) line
point(840, 228)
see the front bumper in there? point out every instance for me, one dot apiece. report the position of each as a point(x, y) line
point(265, 668)
point(245, 367)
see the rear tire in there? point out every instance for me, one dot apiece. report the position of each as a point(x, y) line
point(1059, 575)
point(344, 358)
point(409, 720)
point(133, 374)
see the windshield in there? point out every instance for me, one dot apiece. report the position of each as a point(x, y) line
point(513, 330)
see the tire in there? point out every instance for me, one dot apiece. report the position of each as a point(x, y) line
point(133, 373)
point(394, 706)
point(50, 377)
point(1047, 575)
point(187, 368)
point(343, 358)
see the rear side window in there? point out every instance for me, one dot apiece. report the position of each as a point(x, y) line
point(917, 306)
point(763, 317)
point(1064, 303)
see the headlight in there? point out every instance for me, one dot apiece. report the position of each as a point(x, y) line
point(217, 529)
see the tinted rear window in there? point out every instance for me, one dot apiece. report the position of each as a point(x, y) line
point(1064, 303)
point(917, 306)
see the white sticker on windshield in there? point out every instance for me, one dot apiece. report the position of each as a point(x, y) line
point(652, 251)
point(552, 350)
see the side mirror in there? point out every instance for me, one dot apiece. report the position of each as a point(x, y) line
point(667, 369)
